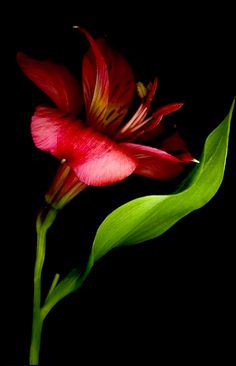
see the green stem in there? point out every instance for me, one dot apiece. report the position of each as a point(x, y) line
point(44, 221)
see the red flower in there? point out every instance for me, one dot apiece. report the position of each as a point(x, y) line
point(101, 149)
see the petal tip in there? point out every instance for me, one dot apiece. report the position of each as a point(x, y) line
point(179, 105)
point(20, 57)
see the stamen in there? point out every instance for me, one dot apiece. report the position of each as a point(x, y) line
point(141, 90)
point(135, 119)
point(137, 127)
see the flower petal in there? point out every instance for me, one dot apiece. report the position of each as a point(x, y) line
point(64, 188)
point(167, 109)
point(95, 84)
point(154, 128)
point(174, 144)
point(155, 163)
point(121, 86)
point(55, 81)
point(46, 128)
point(95, 159)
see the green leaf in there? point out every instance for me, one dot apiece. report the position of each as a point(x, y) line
point(148, 217)
point(66, 286)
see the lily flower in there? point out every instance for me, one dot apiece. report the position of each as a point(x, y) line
point(88, 129)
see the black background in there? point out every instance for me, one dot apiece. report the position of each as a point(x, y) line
point(170, 298)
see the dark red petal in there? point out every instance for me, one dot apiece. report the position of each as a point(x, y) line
point(174, 144)
point(95, 159)
point(155, 163)
point(154, 128)
point(55, 81)
point(167, 109)
point(121, 86)
point(95, 84)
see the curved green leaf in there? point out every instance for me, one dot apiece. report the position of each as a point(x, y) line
point(148, 217)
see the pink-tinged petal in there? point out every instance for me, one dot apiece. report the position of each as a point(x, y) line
point(95, 84)
point(55, 81)
point(95, 159)
point(121, 86)
point(155, 163)
point(46, 128)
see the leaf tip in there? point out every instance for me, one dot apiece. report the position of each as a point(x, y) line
point(232, 108)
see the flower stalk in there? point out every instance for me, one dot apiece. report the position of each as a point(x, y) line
point(44, 221)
